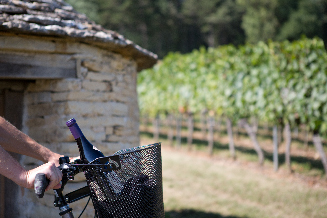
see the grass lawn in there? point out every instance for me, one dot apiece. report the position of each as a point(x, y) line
point(201, 187)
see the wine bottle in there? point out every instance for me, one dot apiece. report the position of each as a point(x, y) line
point(88, 152)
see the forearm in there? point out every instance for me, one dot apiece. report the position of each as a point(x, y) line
point(11, 139)
point(11, 169)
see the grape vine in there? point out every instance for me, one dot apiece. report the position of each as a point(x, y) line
point(271, 81)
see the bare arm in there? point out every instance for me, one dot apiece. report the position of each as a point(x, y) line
point(11, 139)
point(11, 169)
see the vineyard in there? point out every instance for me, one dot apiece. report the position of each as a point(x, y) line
point(278, 84)
point(210, 138)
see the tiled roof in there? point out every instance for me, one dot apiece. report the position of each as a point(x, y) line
point(59, 19)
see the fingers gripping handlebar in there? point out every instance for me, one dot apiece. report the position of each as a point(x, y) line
point(68, 170)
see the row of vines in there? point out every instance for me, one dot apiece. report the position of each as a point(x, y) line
point(280, 83)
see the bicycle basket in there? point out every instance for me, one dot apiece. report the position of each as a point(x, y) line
point(133, 188)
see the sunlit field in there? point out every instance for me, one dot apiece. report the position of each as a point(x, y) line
point(198, 186)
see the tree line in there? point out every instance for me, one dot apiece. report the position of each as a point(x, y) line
point(162, 26)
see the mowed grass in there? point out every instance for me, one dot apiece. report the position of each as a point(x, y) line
point(197, 186)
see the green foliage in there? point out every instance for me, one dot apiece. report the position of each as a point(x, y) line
point(307, 19)
point(275, 82)
point(88, 7)
point(162, 26)
point(259, 21)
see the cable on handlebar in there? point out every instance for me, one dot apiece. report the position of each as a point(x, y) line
point(84, 207)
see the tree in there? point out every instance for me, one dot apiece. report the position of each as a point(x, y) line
point(222, 26)
point(90, 8)
point(259, 21)
point(164, 26)
point(307, 19)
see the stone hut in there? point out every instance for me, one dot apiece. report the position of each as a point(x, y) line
point(56, 64)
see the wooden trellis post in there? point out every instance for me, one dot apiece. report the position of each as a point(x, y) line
point(231, 139)
point(275, 144)
point(190, 124)
point(211, 125)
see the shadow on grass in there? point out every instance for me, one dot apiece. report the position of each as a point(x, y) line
point(309, 162)
point(195, 214)
point(202, 144)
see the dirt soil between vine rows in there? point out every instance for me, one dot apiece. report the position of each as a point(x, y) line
point(266, 144)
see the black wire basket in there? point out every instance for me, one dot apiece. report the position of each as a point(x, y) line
point(131, 187)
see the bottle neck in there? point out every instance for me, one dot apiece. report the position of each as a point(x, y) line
point(76, 131)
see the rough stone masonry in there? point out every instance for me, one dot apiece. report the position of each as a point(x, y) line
point(50, 41)
point(103, 100)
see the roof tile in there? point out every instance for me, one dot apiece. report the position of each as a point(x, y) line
point(57, 18)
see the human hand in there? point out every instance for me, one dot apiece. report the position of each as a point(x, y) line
point(72, 159)
point(54, 158)
point(52, 173)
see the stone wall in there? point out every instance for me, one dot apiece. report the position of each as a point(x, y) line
point(103, 100)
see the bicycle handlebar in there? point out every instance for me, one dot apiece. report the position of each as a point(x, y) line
point(69, 170)
point(40, 184)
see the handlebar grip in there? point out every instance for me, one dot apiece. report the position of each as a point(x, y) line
point(40, 184)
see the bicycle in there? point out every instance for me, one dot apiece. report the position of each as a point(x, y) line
point(126, 184)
